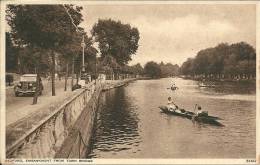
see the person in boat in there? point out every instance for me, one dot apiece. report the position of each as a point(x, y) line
point(174, 87)
point(199, 111)
point(171, 105)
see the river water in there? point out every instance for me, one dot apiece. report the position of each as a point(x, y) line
point(130, 124)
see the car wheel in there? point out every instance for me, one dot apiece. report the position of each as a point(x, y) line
point(40, 92)
point(16, 94)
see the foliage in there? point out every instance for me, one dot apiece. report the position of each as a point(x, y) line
point(11, 54)
point(137, 69)
point(116, 39)
point(47, 27)
point(30, 57)
point(43, 28)
point(169, 69)
point(238, 58)
point(152, 69)
point(43, 25)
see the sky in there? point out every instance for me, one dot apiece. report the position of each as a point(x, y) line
point(174, 32)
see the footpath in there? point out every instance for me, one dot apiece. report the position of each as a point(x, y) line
point(20, 119)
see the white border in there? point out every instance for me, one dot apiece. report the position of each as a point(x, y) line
point(2, 84)
point(257, 82)
point(122, 2)
point(128, 161)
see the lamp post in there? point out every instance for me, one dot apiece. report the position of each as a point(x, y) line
point(96, 75)
point(83, 47)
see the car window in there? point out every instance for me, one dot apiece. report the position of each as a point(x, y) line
point(28, 78)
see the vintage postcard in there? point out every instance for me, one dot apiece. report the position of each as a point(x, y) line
point(129, 82)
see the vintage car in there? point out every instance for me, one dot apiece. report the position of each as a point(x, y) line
point(84, 79)
point(27, 85)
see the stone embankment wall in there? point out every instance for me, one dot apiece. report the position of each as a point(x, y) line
point(67, 131)
point(46, 139)
point(77, 144)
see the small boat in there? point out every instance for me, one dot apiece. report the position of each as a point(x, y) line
point(173, 88)
point(209, 86)
point(204, 118)
point(206, 85)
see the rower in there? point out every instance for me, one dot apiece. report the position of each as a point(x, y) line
point(199, 111)
point(174, 87)
point(171, 105)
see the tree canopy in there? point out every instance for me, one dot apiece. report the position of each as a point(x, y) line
point(11, 54)
point(116, 39)
point(45, 26)
point(152, 69)
point(169, 69)
point(238, 58)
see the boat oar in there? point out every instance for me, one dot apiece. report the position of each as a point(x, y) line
point(194, 108)
point(193, 116)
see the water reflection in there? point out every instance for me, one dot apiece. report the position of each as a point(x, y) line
point(117, 124)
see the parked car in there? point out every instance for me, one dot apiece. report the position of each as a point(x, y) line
point(84, 79)
point(27, 85)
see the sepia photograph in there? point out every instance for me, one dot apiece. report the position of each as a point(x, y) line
point(129, 80)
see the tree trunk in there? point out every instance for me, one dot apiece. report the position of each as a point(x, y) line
point(66, 76)
point(19, 65)
point(72, 73)
point(53, 74)
point(36, 94)
point(77, 78)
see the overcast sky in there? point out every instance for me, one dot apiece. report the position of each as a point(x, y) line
point(173, 33)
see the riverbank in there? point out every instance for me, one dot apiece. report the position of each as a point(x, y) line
point(110, 84)
point(41, 134)
point(220, 80)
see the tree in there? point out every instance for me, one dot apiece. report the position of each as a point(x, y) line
point(237, 59)
point(72, 50)
point(169, 69)
point(116, 39)
point(152, 69)
point(11, 54)
point(187, 67)
point(138, 69)
point(110, 65)
point(43, 26)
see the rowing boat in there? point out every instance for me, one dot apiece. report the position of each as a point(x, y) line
point(207, 85)
point(192, 116)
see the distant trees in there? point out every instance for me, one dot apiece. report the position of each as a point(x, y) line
point(169, 69)
point(223, 61)
point(138, 69)
point(152, 69)
point(155, 70)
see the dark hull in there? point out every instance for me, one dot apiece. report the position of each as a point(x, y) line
point(190, 115)
point(207, 86)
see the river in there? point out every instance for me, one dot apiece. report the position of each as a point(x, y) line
point(130, 125)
